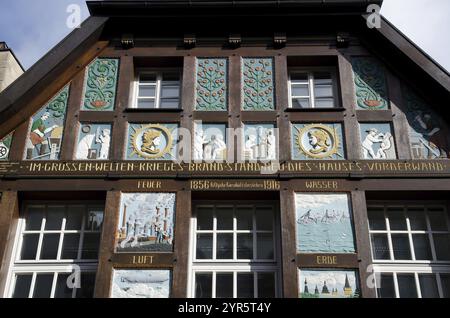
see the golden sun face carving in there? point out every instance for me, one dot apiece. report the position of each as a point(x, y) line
point(152, 141)
point(317, 141)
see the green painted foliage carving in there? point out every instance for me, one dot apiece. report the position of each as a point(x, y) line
point(211, 84)
point(257, 84)
point(100, 85)
point(370, 84)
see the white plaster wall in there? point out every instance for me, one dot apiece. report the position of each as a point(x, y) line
point(10, 70)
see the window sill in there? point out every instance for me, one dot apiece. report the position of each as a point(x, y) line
point(331, 109)
point(153, 110)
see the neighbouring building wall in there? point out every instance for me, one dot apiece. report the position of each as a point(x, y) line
point(10, 68)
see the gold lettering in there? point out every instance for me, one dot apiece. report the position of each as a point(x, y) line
point(326, 260)
point(142, 259)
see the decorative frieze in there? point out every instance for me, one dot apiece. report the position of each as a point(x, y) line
point(328, 283)
point(210, 142)
point(47, 127)
point(377, 141)
point(94, 142)
point(100, 85)
point(211, 84)
point(258, 88)
point(5, 146)
point(141, 283)
point(370, 84)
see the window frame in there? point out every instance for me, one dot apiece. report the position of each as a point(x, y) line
point(50, 266)
point(309, 71)
point(234, 265)
point(158, 72)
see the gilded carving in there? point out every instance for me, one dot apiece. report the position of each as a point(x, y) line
point(152, 141)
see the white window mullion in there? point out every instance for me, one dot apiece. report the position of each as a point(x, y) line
point(55, 279)
point(439, 285)
point(214, 250)
point(430, 236)
point(235, 284)
point(80, 243)
point(397, 292)
point(255, 285)
point(311, 90)
point(410, 238)
point(234, 234)
point(41, 237)
point(255, 231)
point(158, 90)
point(213, 291)
point(33, 282)
point(388, 231)
point(419, 291)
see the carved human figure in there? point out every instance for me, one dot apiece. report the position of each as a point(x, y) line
point(37, 134)
point(271, 145)
point(319, 140)
point(431, 131)
point(250, 146)
point(218, 147)
point(373, 136)
point(104, 139)
point(151, 140)
point(199, 141)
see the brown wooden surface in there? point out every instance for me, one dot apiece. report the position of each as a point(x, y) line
point(9, 216)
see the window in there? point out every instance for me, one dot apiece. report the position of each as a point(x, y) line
point(54, 241)
point(410, 249)
point(158, 90)
point(234, 251)
point(312, 89)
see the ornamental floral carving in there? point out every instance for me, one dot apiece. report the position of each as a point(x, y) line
point(100, 85)
point(370, 84)
point(257, 84)
point(211, 84)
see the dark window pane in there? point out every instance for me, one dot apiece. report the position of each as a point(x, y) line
point(264, 219)
point(245, 246)
point(29, 246)
point(147, 91)
point(70, 246)
point(377, 220)
point(34, 218)
point(322, 78)
point(204, 219)
point(224, 217)
point(438, 219)
point(224, 246)
point(204, 246)
point(224, 285)
point(49, 249)
point(43, 286)
point(417, 219)
point(299, 77)
point(244, 218)
point(422, 247)
point(300, 90)
point(442, 246)
point(94, 219)
point(323, 91)
point(62, 290)
point(55, 216)
point(397, 220)
point(428, 286)
point(385, 286)
point(170, 103)
point(146, 103)
point(74, 217)
point(406, 286)
point(87, 286)
point(380, 246)
point(22, 286)
point(264, 243)
point(172, 91)
point(203, 285)
point(324, 103)
point(445, 282)
point(91, 243)
point(300, 103)
point(400, 245)
point(147, 78)
point(266, 285)
point(170, 77)
point(245, 287)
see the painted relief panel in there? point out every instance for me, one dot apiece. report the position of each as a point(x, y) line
point(428, 134)
point(328, 284)
point(211, 84)
point(152, 141)
point(100, 85)
point(210, 142)
point(5, 146)
point(141, 284)
point(377, 141)
point(94, 141)
point(260, 142)
point(258, 88)
point(324, 223)
point(317, 141)
point(146, 222)
point(370, 84)
point(46, 131)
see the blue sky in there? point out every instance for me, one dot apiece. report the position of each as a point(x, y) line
point(32, 27)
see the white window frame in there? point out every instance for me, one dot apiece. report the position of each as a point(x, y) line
point(234, 265)
point(310, 74)
point(413, 266)
point(49, 266)
point(158, 72)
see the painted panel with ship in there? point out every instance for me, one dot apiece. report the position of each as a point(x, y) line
point(328, 284)
point(141, 284)
point(146, 222)
point(324, 223)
